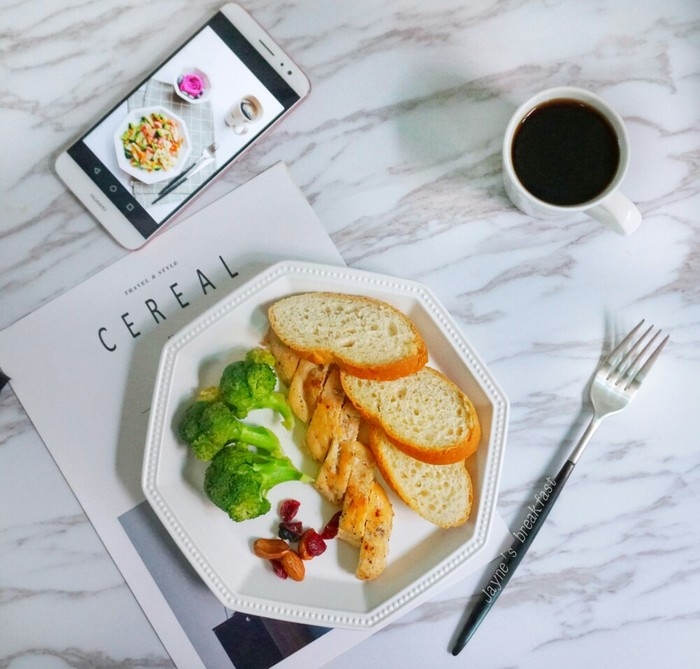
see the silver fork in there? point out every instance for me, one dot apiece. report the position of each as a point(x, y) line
point(615, 384)
point(203, 160)
point(618, 379)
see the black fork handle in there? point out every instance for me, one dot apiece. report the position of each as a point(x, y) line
point(512, 557)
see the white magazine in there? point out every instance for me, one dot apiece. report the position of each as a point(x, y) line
point(102, 341)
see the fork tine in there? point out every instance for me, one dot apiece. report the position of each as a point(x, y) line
point(617, 355)
point(636, 380)
point(625, 365)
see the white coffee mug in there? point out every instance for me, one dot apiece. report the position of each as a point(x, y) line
point(610, 207)
point(247, 110)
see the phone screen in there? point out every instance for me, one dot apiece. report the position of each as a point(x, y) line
point(206, 103)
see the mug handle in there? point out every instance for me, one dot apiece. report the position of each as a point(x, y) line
point(617, 213)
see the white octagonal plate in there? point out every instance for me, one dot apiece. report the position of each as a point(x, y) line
point(421, 555)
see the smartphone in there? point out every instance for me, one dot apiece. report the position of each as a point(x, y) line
point(186, 122)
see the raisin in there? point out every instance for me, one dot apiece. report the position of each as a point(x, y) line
point(331, 528)
point(311, 545)
point(288, 509)
point(290, 530)
point(278, 568)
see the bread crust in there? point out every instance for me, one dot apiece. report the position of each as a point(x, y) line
point(385, 372)
point(372, 399)
point(442, 494)
point(412, 353)
point(443, 456)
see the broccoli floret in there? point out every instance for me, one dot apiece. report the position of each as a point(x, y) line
point(250, 384)
point(239, 477)
point(209, 394)
point(232, 484)
point(208, 426)
point(262, 355)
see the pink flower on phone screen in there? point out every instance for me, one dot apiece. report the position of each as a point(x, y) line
point(192, 84)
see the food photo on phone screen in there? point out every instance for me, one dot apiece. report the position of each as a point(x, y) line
point(169, 123)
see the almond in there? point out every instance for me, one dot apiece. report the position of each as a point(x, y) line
point(293, 565)
point(270, 549)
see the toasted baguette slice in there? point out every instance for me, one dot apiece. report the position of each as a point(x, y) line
point(374, 547)
point(442, 494)
point(425, 414)
point(365, 337)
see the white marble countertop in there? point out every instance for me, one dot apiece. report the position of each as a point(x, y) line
point(398, 151)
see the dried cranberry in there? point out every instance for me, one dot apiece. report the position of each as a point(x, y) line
point(331, 528)
point(278, 568)
point(288, 509)
point(290, 530)
point(311, 544)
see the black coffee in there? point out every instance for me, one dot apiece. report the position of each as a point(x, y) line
point(565, 152)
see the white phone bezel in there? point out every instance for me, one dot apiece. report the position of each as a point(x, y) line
point(99, 204)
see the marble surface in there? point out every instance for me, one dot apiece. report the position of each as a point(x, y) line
point(398, 151)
